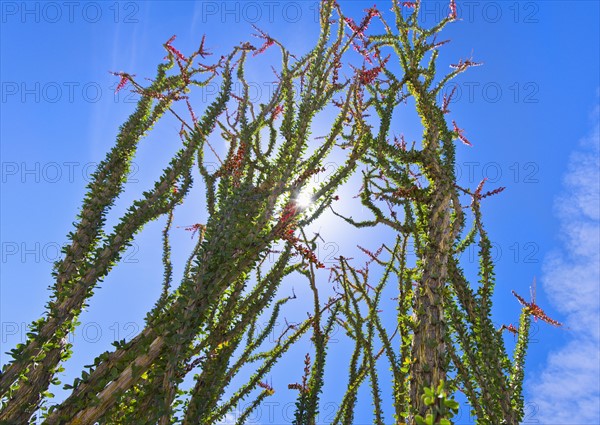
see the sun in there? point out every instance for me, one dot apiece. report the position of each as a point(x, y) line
point(304, 199)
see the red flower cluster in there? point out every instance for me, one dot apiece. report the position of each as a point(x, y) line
point(353, 26)
point(437, 44)
point(446, 101)
point(464, 64)
point(121, 84)
point(173, 50)
point(278, 109)
point(453, 14)
point(367, 76)
point(304, 252)
point(194, 228)
point(510, 328)
point(479, 195)
point(287, 217)
point(268, 41)
point(285, 229)
point(337, 65)
point(307, 174)
point(295, 386)
point(267, 387)
point(409, 4)
point(400, 144)
point(461, 134)
point(360, 29)
point(304, 386)
point(236, 163)
point(536, 311)
point(363, 51)
point(201, 50)
point(124, 79)
point(372, 12)
point(233, 165)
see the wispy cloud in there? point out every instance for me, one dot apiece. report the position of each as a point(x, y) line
point(568, 390)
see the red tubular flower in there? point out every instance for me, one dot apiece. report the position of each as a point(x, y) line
point(479, 187)
point(453, 13)
point(267, 387)
point(359, 29)
point(123, 81)
point(289, 212)
point(469, 62)
point(173, 50)
point(439, 43)
point(479, 195)
point(268, 41)
point(304, 252)
point(201, 51)
point(235, 165)
point(337, 65)
point(351, 24)
point(464, 64)
point(286, 232)
point(367, 76)
point(460, 134)
point(446, 101)
point(307, 174)
point(278, 109)
point(510, 328)
point(492, 192)
point(372, 12)
point(194, 228)
point(536, 310)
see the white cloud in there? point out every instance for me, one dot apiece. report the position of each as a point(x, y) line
point(568, 390)
point(228, 420)
point(231, 419)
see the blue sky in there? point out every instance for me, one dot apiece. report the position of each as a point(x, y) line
point(531, 113)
